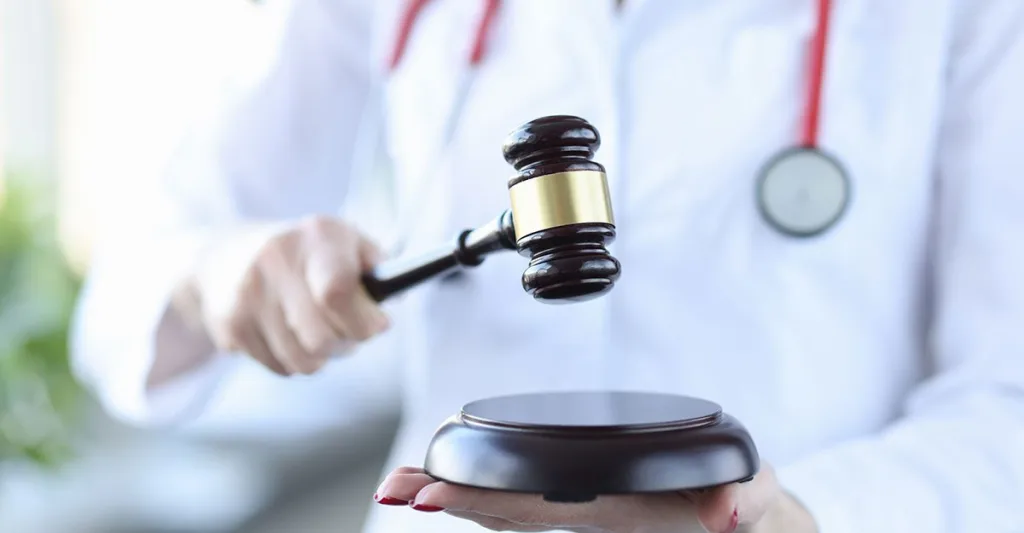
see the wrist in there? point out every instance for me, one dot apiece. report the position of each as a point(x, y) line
point(186, 304)
point(183, 341)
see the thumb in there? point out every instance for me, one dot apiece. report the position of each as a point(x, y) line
point(725, 508)
point(370, 253)
point(718, 510)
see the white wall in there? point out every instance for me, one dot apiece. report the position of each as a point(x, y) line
point(99, 92)
point(134, 75)
point(27, 81)
point(96, 93)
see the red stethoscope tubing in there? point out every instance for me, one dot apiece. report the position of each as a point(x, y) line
point(412, 12)
point(816, 67)
point(816, 77)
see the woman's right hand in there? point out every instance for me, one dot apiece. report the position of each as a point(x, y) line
point(288, 295)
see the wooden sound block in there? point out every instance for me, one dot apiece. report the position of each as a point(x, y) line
point(575, 446)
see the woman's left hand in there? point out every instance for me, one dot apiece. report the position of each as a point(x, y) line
point(756, 506)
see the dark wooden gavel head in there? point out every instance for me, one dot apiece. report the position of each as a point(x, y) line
point(561, 218)
point(561, 209)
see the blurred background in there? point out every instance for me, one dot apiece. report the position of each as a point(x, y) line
point(96, 94)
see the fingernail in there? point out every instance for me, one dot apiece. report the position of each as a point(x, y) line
point(387, 500)
point(734, 522)
point(426, 508)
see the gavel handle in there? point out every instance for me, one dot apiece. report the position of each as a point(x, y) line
point(469, 250)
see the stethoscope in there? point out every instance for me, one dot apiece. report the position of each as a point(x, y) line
point(802, 191)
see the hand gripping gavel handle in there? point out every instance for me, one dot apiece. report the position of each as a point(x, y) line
point(469, 250)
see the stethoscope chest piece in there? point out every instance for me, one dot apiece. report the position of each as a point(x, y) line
point(803, 191)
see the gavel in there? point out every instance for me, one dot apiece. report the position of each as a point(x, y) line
point(568, 446)
point(560, 218)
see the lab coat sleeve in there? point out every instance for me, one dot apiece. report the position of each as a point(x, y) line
point(281, 147)
point(954, 462)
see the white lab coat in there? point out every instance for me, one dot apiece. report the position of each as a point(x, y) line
point(880, 366)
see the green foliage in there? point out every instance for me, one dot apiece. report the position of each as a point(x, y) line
point(38, 395)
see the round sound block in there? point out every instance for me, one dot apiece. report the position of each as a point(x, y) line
point(575, 446)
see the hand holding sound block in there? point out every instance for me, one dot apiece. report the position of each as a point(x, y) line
point(759, 506)
point(575, 446)
point(566, 451)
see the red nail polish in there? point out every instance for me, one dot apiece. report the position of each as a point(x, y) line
point(426, 508)
point(385, 500)
point(734, 522)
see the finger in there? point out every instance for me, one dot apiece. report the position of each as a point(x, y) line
point(408, 470)
point(334, 281)
point(317, 337)
point(403, 487)
point(497, 524)
point(366, 313)
point(725, 508)
point(369, 254)
point(527, 509)
point(283, 343)
point(280, 272)
point(243, 335)
point(257, 348)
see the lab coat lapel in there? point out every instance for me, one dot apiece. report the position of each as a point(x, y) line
point(421, 95)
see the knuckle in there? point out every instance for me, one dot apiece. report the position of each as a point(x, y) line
point(233, 331)
point(361, 333)
point(248, 290)
point(266, 358)
point(236, 322)
point(318, 344)
point(344, 346)
point(303, 361)
point(292, 362)
point(321, 226)
point(359, 324)
point(271, 254)
point(277, 368)
point(337, 291)
point(276, 243)
point(323, 349)
point(309, 365)
point(304, 368)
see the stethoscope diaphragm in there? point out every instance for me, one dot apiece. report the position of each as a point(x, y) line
point(803, 191)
